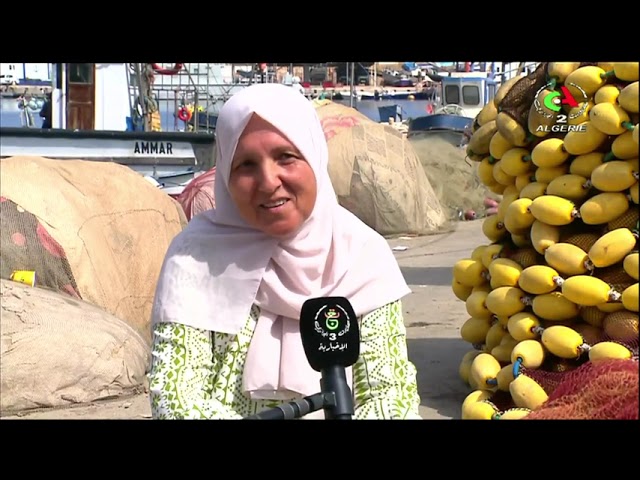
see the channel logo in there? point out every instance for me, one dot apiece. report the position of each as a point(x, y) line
point(551, 106)
point(555, 100)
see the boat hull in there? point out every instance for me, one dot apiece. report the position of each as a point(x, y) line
point(440, 121)
point(171, 158)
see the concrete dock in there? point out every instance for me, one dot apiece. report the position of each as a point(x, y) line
point(434, 315)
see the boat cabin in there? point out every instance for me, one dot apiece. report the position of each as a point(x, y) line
point(90, 96)
point(471, 94)
point(91, 115)
point(461, 99)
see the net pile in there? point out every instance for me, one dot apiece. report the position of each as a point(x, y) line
point(599, 390)
point(454, 180)
point(27, 246)
point(93, 230)
point(377, 174)
point(198, 196)
point(58, 351)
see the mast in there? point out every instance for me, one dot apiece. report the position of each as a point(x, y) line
point(352, 84)
point(375, 74)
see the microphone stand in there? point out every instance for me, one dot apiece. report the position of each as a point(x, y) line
point(336, 400)
point(296, 408)
point(334, 380)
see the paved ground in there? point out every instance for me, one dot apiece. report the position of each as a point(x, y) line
point(433, 316)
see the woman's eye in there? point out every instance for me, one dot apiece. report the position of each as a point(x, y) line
point(245, 164)
point(287, 157)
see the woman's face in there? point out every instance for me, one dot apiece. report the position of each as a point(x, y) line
point(272, 185)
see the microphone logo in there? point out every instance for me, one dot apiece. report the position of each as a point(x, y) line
point(330, 332)
point(332, 322)
point(331, 319)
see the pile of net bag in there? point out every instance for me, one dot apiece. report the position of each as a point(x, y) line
point(81, 247)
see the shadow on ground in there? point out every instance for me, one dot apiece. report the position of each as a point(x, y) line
point(441, 276)
point(437, 361)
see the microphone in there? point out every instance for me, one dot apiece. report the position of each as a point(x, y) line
point(331, 342)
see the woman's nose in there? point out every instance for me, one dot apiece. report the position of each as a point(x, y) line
point(269, 178)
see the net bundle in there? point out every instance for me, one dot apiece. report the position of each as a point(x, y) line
point(597, 390)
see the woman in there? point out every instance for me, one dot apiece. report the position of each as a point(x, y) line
point(226, 338)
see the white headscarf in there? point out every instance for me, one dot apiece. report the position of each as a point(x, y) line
point(219, 266)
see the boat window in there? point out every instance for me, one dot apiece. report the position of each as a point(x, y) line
point(81, 73)
point(471, 95)
point(451, 94)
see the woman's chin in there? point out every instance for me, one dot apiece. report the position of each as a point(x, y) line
point(282, 228)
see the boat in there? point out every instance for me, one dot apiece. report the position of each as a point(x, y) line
point(171, 158)
point(462, 95)
point(440, 121)
point(396, 79)
point(113, 112)
point(380, 93)
point(204, 121)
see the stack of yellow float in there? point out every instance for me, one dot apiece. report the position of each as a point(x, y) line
point(556, 283)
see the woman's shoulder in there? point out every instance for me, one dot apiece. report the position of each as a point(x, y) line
point(355, 229)
point(391, 308)
point(190, 251)
point(207, 240)
point(193, 234)
point(178, 328)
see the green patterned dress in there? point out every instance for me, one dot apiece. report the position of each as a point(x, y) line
point(188, 381)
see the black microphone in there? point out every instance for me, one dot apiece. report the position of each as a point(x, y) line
point(331, 341)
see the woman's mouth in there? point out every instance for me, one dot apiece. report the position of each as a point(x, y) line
point(276, 204)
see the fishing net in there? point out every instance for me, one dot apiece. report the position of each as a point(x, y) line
point(94, 230)
point(198, 195)
point(377, 174)
point(26, 246)
point(57, 351)
point(598, 390)
point(583, 389)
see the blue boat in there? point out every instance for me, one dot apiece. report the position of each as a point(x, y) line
point(439, 122)
point(390, 111)
point(461, 98)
